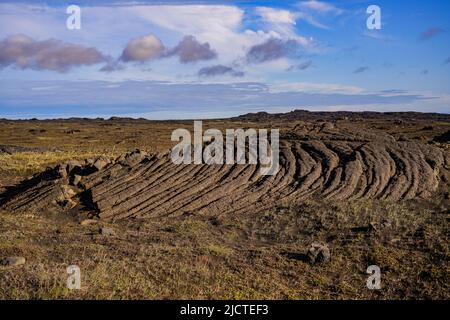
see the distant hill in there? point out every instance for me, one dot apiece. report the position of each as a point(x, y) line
point(336, 115)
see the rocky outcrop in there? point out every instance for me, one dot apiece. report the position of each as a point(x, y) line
point(319, 161)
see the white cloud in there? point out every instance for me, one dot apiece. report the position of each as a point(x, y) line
point(273, 15)
point(191, 19)
point(221, 26)
point(143, 49)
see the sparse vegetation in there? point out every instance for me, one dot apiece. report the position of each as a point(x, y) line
point(196, 256)
point(178, 258)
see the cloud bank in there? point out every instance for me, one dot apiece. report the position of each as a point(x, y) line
point(177, 100)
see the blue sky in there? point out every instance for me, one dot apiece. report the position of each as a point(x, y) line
point(201, 59)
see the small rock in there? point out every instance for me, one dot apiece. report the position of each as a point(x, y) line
point(62, 171)
point(120, 158)
point(12, 261)
point(370, 228)
point(67, 204)
point(170, 229)
point(88, 222)
point(134, 157)
point(216, 221)
point(76, 180)
point(318, 253)
point(386, 223)
point(327, 126)
point(72, 164)
point(100, 163)
point(106, 231)
point(425, 194)
point(67, 192)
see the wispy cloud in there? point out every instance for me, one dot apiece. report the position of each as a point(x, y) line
point(310, 9)
point(322, 7)
point(350, 50)
point(311, 20)
point(377, 35)
point(361, 69)
point(310, 87)
point(219, 70)
point(300, 67)
point(430, 33)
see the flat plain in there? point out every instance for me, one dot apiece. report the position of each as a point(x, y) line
point(372, 188)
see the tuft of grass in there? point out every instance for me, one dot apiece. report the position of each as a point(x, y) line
point(218, 250)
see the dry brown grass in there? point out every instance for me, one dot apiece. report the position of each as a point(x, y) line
point(31, 162)
point(192, 258)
